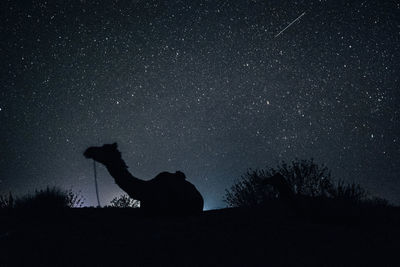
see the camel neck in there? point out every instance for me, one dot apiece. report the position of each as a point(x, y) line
point(135, 187)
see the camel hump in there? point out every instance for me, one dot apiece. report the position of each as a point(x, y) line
point(180, 175)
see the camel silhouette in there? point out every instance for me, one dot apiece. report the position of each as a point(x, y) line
point(167, 193)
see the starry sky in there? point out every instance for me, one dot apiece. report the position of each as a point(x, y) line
point(211, 88)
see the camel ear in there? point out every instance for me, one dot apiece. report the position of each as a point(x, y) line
point(114, 145)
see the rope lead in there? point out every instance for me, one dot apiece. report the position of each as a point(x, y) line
point(95, 184)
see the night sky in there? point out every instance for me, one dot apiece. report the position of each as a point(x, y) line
point(211, 88)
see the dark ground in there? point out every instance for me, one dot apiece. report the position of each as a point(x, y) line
point(228, 237)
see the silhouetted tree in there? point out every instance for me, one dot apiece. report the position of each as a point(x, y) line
point(304, 177)
point(124, 201)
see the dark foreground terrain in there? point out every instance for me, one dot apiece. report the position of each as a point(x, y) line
point(228, 237)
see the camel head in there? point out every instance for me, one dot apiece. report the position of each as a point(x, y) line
point(106, 154)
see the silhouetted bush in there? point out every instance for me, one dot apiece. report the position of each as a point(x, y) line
point(49, 198)
point(351, 192)
point(378, 202)
point(305, 178)
point(124, 201)
point(250, 191)
point(6, 202)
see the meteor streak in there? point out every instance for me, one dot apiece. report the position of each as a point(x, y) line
point(290, 24)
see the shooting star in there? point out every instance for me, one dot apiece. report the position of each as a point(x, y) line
point(290, 24)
